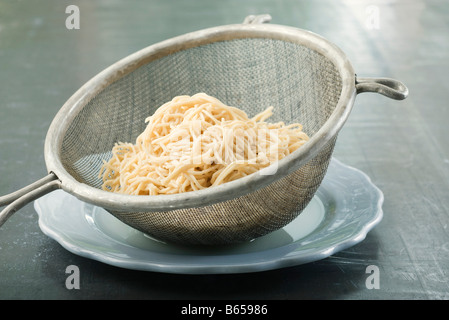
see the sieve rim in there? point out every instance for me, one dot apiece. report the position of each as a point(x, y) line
point(124, 203)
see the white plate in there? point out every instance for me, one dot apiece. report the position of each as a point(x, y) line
point(346, 206)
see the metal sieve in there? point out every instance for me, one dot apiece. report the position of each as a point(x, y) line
point(250, 65)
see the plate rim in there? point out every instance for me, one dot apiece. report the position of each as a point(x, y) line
point(291, 258)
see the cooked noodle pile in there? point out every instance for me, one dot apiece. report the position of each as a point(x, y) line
point(195, 142)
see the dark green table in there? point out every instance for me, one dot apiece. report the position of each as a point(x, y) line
point(402, 146)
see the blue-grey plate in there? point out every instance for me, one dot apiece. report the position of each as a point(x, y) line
point(345, 208)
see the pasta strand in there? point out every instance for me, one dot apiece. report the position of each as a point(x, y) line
point(195, 142)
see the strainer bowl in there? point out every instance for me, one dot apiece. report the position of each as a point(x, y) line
point(250, 65)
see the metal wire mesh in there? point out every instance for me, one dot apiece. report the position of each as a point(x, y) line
point(252, 74)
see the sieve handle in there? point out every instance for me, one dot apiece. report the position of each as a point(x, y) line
point(18, 199)
point(390, 88)
point(257, 19)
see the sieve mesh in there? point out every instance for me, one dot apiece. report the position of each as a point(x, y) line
point(252, 74)
point(240, 219)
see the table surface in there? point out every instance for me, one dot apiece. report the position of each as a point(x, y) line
point(401, 145)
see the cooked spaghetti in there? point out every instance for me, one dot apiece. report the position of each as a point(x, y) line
point(195, 142)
